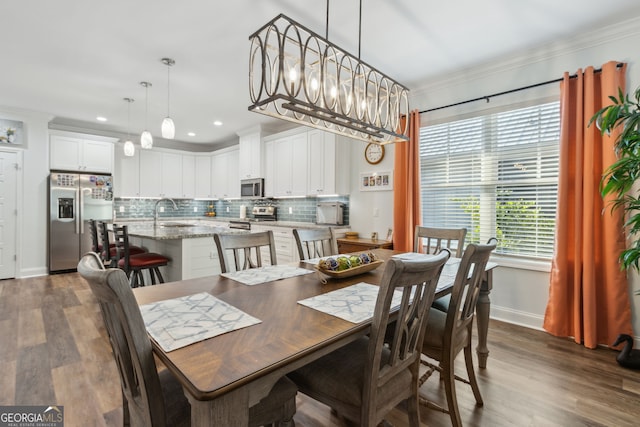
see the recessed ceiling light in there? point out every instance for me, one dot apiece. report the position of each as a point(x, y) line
point(101, 119)
point(191, 134)
point(217, 123)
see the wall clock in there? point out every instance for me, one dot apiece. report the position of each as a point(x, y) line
point(374, 153)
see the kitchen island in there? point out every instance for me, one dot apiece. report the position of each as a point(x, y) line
point(190, 246)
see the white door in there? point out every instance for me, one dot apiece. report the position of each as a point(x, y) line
point(8, 206)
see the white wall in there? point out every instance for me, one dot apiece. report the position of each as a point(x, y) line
point(32, 192)
point(520, 293)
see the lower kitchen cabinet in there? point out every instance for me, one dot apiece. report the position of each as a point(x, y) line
point(286, 250)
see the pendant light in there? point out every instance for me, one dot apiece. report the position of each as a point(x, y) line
point(129, 148)
point(168, 128)
point(146, 140)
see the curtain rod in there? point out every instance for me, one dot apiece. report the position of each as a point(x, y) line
point(487, 97)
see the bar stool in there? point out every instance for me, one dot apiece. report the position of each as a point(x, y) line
point(111, 257)
point(133, 265)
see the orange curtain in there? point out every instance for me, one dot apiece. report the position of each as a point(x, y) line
point(588, 292)
point(406, 192)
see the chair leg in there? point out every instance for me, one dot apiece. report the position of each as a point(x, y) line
point(160, 278)
point(468, 360)
point(413, 410)
point(450, 390)
point(151, 276)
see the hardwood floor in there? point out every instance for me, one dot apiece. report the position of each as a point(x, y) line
point(54, 350)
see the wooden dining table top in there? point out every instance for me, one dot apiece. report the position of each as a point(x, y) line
point(289, 333)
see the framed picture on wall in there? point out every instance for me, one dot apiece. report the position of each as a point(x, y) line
point(10, 132)
point(376, 181)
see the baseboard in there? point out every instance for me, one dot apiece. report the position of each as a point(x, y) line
point(32, 272)
point(520, 318)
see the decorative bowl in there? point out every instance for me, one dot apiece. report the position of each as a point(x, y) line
point(353, 271)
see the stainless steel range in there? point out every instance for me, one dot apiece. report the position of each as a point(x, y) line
point(260, 213)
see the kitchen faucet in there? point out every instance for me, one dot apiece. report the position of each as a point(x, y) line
point(155, 217)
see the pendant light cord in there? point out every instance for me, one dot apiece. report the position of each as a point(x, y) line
point(168, 90)
point(360, 30)
point(326, 34)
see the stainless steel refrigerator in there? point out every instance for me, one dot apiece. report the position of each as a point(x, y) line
point(74, 199)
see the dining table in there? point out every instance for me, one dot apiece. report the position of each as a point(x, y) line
point(223, 376)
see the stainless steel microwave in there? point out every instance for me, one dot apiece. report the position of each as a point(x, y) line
point(252, 188)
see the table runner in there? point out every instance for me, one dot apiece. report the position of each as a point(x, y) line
point(178, 322)
point(255, 276)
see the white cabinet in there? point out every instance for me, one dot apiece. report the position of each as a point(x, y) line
point(81, 153)
point(160, 174)
point(250, 161)
point(269, 169)
point(286, 250)
point(188, 176)
point(150, 173)
point(126, 174)
point(328, 164)
point(290, 173)
point(203, 177)
point(225, 181)
point(171, 173)
point(304, 162)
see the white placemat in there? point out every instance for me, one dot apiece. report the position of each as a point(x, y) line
point(413, 256)
point(354, 303)
point(255, 276)
point(178, 322)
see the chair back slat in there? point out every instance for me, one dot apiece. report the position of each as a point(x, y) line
point(245, 249)
point(121, 240)
point(432, 240)
point(129, 341)
point(315, 243)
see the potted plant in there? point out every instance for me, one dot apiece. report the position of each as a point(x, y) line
point(619, 178)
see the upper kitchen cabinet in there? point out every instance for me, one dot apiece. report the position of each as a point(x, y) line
point(302, 162)
point(225, 180)
point(126, 174)
point(328, 163)
point(81, 152)
point(160, 174)
point(290, 173)
point(188, 176)
point(203, 177)
point(250, 160)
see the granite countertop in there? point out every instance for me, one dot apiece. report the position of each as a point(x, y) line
point(187, 228)
point(168, 230)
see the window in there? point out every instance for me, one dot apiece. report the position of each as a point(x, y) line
point(496, 175)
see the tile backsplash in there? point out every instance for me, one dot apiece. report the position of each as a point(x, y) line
point(302, 209)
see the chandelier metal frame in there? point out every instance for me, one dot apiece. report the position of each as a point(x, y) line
point(300, 76)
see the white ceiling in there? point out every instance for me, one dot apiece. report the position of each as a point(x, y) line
point(78, 59)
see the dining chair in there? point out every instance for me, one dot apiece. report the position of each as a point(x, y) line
point(430, 240)
point(246, 249)
point(110, 256)
point(152, 398)
point(367, 378)
point(134, 264)
point(448, 333)
point(315, 243)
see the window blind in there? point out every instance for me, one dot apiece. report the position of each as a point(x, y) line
point(496, 175)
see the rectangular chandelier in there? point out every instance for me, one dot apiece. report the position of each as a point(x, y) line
point(297, 75)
